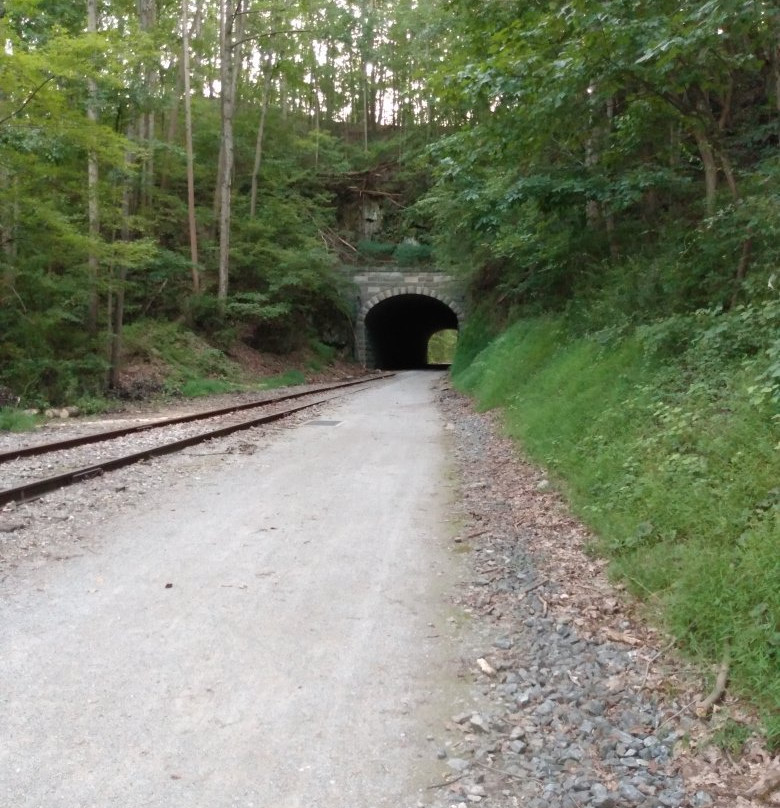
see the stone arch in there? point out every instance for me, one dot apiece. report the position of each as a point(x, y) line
point(412, 289)
point(364, 344)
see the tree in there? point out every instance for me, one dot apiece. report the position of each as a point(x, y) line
point(231, 18)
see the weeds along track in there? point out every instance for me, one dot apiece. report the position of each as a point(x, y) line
point(30, 471)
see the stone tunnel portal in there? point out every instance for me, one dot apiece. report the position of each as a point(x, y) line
point(399, 327)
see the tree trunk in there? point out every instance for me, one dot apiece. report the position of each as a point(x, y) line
point(710, 169)
point(9, 216)
point(188, 146)
point(229, 62)
point(776, 63)
point(93, 206)
point(365, 109)
point(117, 313)
point(147, 16)
point(259, 140)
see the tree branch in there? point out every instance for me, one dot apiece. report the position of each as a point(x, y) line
point(26, 101)
point(271, 34)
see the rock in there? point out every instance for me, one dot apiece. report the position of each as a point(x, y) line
point(600, 796)
point(546, 708)
point(594, 707)
point(478, 723)
point(523, 698)
point(671, 798)
point(486, 667)
point(11, 525)
point(518, 747)
point(458, 764)
point(631, 793)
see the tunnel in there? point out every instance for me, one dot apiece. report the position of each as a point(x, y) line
point(399, 327)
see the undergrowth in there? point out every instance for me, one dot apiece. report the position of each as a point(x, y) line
point(13, 420)
point(186, 356)
point(289, 378)
point(194, 368)
point(666, 439)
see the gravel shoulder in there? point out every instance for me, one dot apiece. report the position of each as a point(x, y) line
point(577, 701)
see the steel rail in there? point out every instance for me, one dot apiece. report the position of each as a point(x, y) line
point(34, 489)
point(108, 434)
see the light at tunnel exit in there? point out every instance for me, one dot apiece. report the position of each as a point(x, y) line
point(441, 347)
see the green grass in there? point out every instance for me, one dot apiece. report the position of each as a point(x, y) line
point(672, 459)
point(289, 378)
point(12, 420)
point(195, 388)
point(322, 355)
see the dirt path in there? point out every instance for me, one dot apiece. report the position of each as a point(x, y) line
point(274, 633)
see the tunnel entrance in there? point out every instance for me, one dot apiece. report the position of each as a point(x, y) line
point(399, 328)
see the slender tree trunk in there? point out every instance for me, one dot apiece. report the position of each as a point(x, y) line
point(229, 61)
point(259, 140)
point(707, 155)
point(365, 109)
point(776, 63)
point(742, 268)
point(117, 310)
point(188, 147)
point(592, 157)
point(316, 97)
point(147, 16)
point(9, 216)
point(93, 205)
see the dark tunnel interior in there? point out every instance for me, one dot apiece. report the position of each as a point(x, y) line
point(398, 330)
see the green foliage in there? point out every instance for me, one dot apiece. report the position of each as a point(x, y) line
point(190, 362)
point(441, 347)
point(668, 453)
point(13, 420)
point(732, 736)
point(475, 335)
point(584, 153)
point(376, 250)
point(289, 378)
point(405, 254)
point(322, 355)
point(409, 254)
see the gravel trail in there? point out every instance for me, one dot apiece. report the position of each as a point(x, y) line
point(272, 633)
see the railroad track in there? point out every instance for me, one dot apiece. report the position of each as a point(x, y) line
point(66, 463)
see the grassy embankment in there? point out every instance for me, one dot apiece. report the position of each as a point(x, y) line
point(666, 439)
